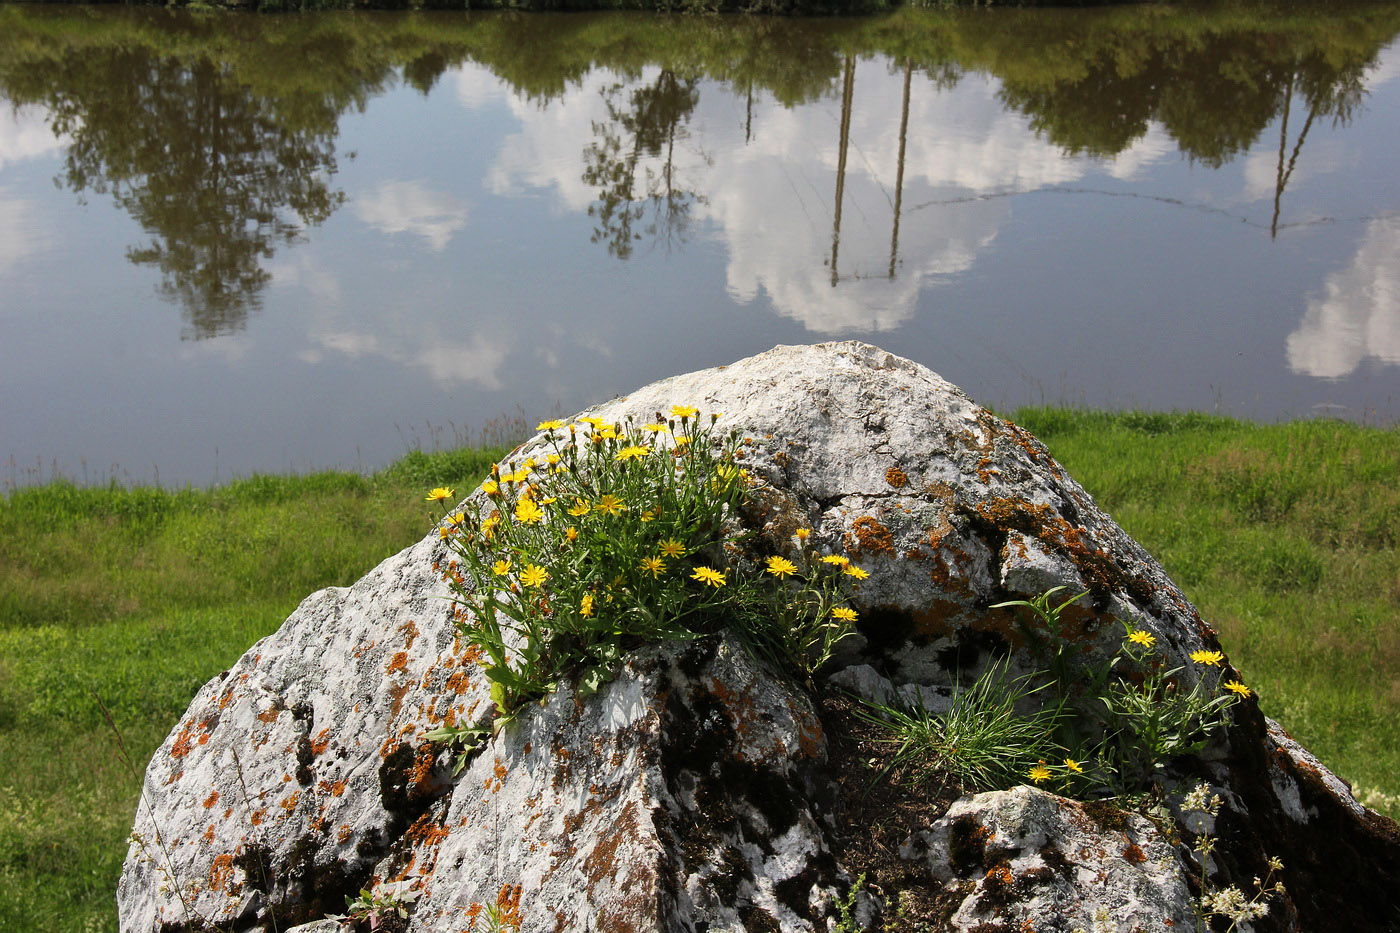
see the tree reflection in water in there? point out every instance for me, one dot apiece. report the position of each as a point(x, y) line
point(217, 176)
point(647, 123)
point(218, 135)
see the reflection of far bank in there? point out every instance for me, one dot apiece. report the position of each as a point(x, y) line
point(1358, 315)
point(842, 212)
point(219, 140)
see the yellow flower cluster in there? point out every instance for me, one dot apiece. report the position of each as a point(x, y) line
point(622, 522)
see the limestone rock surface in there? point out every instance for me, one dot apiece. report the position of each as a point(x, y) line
point(695, 792)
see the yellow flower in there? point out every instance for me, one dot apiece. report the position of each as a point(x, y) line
point(653, 565)
point(655, 428)
point(1039, 773)
point(608, 433)
point(528, 512)
point(552, 459)
point(579, 508)
point(682, 441)
point(851, 570)
point(1234, 686)
point(844, 614)
point(672, 548)
point(439, 493)
point(490, 487)
point(1139, 637)
point(585, 608)
point(708, 575)
point(446, 531)
point(803, 533)
point(836, 559)
point(548, 500)
point(534, 575)
point(571, 533)
point(500, 568)
point(610, 505)
point(1072, 765)
point(780, 566)
point(488, 526)
point(648, 516)
point(1213, 658)
point(683, 411)
point(593, 422)
point(549, 425)
point(632, 453)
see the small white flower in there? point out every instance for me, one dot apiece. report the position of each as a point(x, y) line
point(1201, 800)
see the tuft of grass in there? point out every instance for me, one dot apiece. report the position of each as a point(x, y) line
point(981, 742)
point(1284, 536)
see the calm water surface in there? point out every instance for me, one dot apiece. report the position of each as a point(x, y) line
point(242, 244)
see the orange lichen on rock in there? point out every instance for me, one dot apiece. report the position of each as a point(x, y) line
point(871, 537)
point(426, 831)
point(212, 799)
point(460, 682)
point(601, 861)
point(290, 803)
point(398, 663)
point(397, 694)
point(741, 710)
point(935, 618)
point(420, 774)
point(321, 742)
point(1096, 566)
point(221, 871)
point(497, 778)
point(896, 478)
point(809, 735)
point(182, 745)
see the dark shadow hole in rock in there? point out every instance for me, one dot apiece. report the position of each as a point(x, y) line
point(795, 893)
point(770, 793)
point(967, 842)
point(966, 653)
point(885, 629)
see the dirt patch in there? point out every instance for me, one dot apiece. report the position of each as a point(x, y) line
point(878, 813)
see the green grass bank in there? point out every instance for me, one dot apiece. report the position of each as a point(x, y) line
point(1285, 537)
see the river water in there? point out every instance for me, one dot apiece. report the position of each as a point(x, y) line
point(233, 244)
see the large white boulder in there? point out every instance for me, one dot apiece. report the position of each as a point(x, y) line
point(695, 791)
